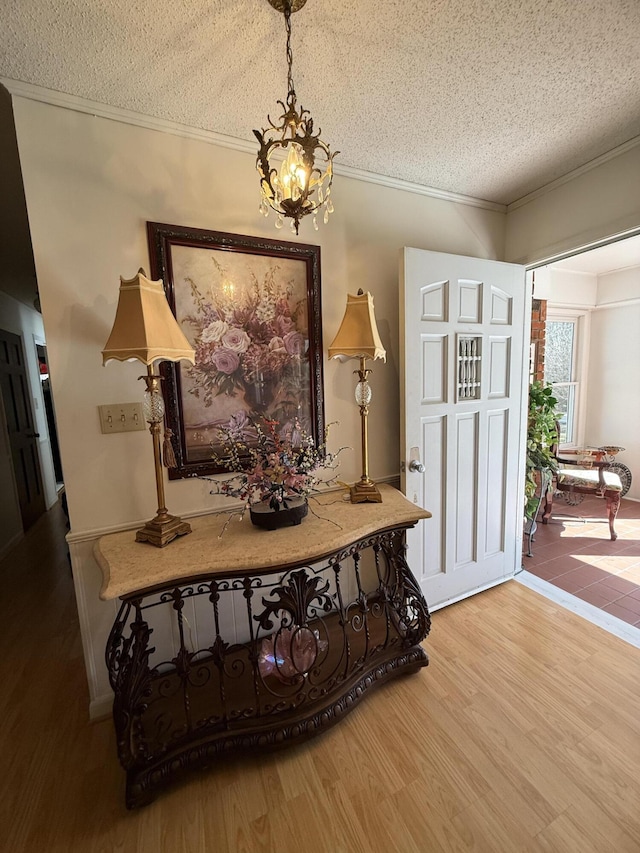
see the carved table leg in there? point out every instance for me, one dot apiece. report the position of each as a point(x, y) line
point(613, 505)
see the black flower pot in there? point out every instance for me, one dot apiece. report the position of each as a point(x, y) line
point(262, 515)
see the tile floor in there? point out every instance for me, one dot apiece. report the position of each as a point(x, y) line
point(574, 553)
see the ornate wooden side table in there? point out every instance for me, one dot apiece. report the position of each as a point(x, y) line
point(255, 638)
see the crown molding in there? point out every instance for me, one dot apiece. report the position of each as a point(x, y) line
point(581, 170)
point(621, 303)
point(32, 92)
point(418, 189)
point(584, 242)
point(569, 308)
point(82, 105)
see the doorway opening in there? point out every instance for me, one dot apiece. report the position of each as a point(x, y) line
point(50, 413)
point(22, 435)
point(590, 349)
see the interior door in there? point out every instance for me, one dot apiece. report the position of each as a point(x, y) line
point(22, 435)
point(463, 328)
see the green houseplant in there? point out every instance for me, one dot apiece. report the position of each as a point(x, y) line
point(542, 433)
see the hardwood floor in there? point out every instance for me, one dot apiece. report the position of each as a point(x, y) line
point(523, 734)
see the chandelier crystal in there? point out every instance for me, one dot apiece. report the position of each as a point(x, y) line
point(295, 166)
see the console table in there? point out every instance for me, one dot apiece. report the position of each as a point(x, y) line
point(239, 638)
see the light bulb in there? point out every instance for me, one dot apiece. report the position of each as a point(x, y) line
point(293, 175)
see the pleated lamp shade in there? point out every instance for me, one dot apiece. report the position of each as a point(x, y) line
point(358, 334)
point(145, 329)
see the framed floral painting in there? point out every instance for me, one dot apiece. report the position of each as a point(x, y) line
point(250, 307)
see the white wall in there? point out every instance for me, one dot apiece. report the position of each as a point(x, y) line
point(618, 286)
point(566, 287)
point(91, 184)
point(17, 318)
point(613, 411)
point(592, 206)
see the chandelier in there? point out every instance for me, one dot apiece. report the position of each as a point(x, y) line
point(295, 166)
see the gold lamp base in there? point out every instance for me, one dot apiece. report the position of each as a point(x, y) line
point(365, 492)
point(162, 529)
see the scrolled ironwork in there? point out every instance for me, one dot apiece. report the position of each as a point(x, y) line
point(131, 690)
point(295, 597)
point(412, 613)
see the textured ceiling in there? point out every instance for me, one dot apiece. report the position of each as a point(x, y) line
point(487, 98)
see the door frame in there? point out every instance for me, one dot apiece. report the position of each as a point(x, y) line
point(587, 247)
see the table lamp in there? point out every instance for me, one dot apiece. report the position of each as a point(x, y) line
point(358, 338)
point(145, 330)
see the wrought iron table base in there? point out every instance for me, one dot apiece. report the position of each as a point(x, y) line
point(308, 642)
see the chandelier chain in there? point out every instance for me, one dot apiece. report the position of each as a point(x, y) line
point(287, 21)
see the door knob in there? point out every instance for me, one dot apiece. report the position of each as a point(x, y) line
point(417, 466)
point(33, 435)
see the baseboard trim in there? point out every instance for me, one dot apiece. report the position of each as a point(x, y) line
point(101, 708)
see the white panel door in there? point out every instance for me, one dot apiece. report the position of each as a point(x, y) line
point(463, 388)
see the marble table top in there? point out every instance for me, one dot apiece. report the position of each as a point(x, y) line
point(332, 524)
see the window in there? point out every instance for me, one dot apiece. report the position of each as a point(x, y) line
point(561, 369)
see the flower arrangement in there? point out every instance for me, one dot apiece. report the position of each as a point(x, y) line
point(249, 337)
point(270, 463)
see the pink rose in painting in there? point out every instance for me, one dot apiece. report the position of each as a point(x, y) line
point(213, 332)
point(236, 339)
point(283, 324)
point(294, 343)
point(225, 360)
point(276, 344)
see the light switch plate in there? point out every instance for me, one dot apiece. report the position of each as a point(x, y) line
point(121, 417)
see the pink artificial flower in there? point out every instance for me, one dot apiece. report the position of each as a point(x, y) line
point(239, 426)
point(225, 360)
point(276, 344)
